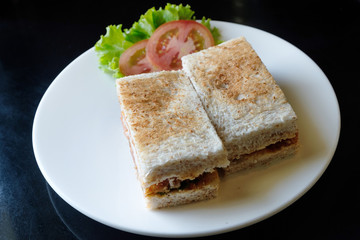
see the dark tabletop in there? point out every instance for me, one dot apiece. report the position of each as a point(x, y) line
point(38, 39)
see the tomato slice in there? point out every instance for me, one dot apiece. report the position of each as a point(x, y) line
point(133, 60)
point(175, 39)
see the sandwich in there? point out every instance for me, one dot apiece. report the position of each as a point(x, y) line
point(244, 103)
point(175, 148)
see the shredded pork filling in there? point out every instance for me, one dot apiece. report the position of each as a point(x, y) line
point(174, 184)
point(273, 147)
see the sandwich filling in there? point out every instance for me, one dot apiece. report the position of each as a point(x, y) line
point(283, 143)
point(275, 147)
point(174, 184)
point(277, 151)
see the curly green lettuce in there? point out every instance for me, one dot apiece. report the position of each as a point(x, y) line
point(110, 47)
point(116, 41)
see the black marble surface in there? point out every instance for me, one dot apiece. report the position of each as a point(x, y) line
point(38, 39)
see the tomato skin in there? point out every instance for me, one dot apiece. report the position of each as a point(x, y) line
point(134, 61)
point(174, 39)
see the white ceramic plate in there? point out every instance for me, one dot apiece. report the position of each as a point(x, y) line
point(83, 154)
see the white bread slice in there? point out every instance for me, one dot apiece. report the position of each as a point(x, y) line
point(170, 134)
point(244, 103)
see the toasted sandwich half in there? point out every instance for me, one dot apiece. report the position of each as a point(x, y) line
point(175, 148)
point(248, 109)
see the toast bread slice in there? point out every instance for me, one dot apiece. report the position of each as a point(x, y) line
point(242, 99)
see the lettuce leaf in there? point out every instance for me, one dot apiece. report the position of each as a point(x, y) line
point(153, 18)
point(116, 41)
point(214, 31)
point(110, 47)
